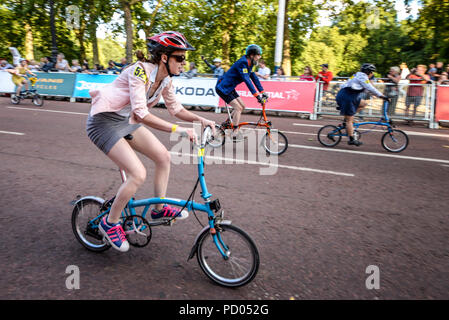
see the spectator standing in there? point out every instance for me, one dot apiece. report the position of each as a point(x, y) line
point(325, 75)
point(122, 65)
point(415, 92)
point(279, 75)
point(112, 69)
point(33, 66)
point(392, 89)
point(216, 68)
point(193, 71)
point(432, 70)
point(263, 72)
point(46, 64)
point(438, 71)
point(404, 71)
point(307, 75)
point(75, 66)
point(444, 79)
point(4, 65)
point(62, 64)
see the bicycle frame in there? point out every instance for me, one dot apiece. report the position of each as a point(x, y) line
point(208, 207)
point(387, 122)
point(266, 123)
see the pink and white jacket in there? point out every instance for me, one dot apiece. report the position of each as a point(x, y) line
point(128, 94)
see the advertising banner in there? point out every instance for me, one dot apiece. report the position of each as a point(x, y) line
point(442, 104)
point(55, 83)
point(196, 91)
point(283, 96)
point(85, 82)
point(6, 84)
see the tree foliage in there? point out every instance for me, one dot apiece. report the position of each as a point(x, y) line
point(359, 31)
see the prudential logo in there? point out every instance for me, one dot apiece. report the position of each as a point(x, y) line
point(84, 85)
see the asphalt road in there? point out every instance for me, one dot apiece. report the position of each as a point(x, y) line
point(319, 221)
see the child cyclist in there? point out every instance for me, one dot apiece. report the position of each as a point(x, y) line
point(349, 98)
point(241, 70)
point(121, 108)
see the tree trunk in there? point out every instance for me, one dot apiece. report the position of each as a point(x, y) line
point(29, 50)
point(128, 30)
point(149, 27)
point(226, 36)
point(80, 36)
point(94, 40)
point(286, 59)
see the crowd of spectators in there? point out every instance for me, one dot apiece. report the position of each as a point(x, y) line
point(62, 65)
point(435, 72)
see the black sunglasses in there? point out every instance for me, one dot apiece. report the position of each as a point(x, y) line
point(179, 58)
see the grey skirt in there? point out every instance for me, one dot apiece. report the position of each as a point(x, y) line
point(106, 128)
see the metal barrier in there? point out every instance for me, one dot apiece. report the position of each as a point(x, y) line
point(408, 101)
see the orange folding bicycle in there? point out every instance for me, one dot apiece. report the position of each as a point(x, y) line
point(274, 141)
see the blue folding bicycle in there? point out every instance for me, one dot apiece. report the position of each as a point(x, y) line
point(225, 253)
point(393, 140)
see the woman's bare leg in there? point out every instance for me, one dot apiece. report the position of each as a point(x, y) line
point(147, 144)
point(126, 159)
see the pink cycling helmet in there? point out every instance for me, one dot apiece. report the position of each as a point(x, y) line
point(168, 41)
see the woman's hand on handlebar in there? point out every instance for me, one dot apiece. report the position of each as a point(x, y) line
point(205, 123)
point(188, 132)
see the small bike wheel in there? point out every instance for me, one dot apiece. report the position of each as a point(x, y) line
point(395, 140)
point(37, 100)
point(357, 134)
point(15, 99)
point(218, 139)
point(137, 230)
point(86, 231)
point(329, 136)
point(242, 261)
point(275, 142)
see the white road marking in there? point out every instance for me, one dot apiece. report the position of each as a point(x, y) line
point(269, 164)
point(14, 133)
point(369, 153)
point(47, 110)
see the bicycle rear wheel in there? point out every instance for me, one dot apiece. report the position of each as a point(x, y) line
point(15, 99)
point(395, 140)
point(329, 136)
point(275, 142)
point(242, 262)
point(218, 139)
point(87, 233)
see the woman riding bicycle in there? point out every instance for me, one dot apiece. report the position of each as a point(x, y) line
point(121, 108)
point(349, 98)
point(241, 70)
point(18, 76)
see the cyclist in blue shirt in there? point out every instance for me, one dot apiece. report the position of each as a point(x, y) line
point(241, 71)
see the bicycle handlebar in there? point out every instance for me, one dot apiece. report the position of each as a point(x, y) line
point(207, 132)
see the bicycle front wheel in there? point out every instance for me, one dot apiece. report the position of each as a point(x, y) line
point(395, 140)
point(86, 232)
point(242, 261)
point(329, 136)
point(37, 100)
point(218, 139)
point(275, 142)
